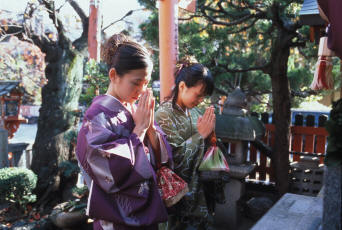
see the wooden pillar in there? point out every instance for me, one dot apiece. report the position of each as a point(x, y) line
point(168, 45)
point(94, 32)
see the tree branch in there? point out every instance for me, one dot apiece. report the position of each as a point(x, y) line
point(189, 18)
point(79, 11)
point(223, 11)
point(79, 43)
point(233, 23)
point(52, 14)
point(297, 44)
point(244, 28)
point(129, 13)
point(252, 93)
point(303, 94)
point(5, 36)
point(61, 6)
point(307, 57)
point(263, 68)
point(254, 6)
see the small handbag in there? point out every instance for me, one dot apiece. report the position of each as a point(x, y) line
point(171, 187)
point(214, 165)
point(213, 173)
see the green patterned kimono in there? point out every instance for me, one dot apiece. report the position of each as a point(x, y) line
point(188, 150)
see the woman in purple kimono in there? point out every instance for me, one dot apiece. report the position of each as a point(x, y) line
point(117, 143)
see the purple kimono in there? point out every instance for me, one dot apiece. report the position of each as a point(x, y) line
point(118, 168)
point(332, 9)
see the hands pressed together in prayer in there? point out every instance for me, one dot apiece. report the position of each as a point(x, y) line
point(143, 115)
point(206, 123)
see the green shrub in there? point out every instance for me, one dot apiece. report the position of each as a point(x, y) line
point(69, 169)
point(16, 185)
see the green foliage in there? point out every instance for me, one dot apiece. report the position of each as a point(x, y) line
point(16, 185)
point(239, 46)
point(337, 69)
point(80, 191)
point(69, 169)
point(149, 29)
point(299, 78)
point(95, 77)
point(71, 136)
point(75, 205)
point(261, 105)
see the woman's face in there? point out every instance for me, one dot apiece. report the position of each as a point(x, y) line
point(129, 86)
point(192, 96)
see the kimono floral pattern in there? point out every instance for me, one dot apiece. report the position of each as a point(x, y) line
point(188, 149)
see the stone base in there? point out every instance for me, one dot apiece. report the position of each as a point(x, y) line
point(241, 171)
point(21, 154)
point(295, 212)
point(332, 198)
point(227, 215)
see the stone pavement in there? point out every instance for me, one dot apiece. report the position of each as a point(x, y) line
point(295, 212)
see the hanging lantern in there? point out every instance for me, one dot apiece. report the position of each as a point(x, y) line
point(10, 100)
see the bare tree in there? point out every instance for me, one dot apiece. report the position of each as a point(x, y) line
point(64, 73)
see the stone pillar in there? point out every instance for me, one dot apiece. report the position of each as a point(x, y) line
point(332, 198)
point(3, 148)
point(227, 215)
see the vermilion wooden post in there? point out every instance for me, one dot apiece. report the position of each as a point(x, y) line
point(168, 45)
point(309, 138)
point(94, 32)
point(271, 168)
point(263, 158)
point(321, 139)
point(297, 138)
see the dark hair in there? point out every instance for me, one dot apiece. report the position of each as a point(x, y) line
point(192, 74)
point(124, 54)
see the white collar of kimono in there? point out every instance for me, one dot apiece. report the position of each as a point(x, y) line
point(114, 98)
point(128, 107)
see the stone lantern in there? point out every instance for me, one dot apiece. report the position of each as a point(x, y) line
point(235, 126)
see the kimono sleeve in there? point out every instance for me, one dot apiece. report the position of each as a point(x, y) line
point(116, 162)
point(165, 149)
point(185, 151)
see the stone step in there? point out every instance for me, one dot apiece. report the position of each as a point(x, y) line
point(293, 211)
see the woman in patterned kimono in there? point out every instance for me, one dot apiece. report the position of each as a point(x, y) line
point(186, 132)
point(117, 143)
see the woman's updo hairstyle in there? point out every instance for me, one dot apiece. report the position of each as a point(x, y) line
point(192, 73)
point(124, 54)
